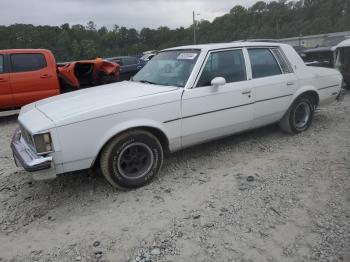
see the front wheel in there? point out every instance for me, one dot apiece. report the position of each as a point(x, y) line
point(299, 117)
point(131, 159)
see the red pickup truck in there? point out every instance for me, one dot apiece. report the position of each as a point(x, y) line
point(28, 75)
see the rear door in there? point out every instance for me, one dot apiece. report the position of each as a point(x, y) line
point(274, 84)
point(32, 77)
point(6, 98)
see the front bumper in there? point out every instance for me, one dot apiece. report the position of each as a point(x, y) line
point(24, 156)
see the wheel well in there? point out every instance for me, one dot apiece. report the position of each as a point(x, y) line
point(313, 95)
point(160, 135)
point(154, 131)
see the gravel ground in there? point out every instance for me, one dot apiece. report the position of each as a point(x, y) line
point(258, 196)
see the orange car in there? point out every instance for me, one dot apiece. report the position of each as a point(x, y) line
point(74, 75)
point(28, 75)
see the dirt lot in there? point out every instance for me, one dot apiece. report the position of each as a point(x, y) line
point(258, 196)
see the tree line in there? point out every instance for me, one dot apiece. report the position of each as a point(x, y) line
point(277, 19)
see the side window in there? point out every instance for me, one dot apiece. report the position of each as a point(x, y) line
point(27, 62)
point(135, 61)
point(126, 61)
point(130, 60)
point(227, 64)
point(282, 60)
point(2, 64)
point(263, 63)
point(119, 62)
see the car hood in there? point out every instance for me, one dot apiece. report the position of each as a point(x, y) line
point(100, 100)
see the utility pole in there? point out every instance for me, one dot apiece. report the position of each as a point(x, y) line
point(277, 28)
point(194, 28)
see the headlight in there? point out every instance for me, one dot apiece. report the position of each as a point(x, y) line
point(43, 143)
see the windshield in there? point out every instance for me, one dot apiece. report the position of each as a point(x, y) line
point(170, 68)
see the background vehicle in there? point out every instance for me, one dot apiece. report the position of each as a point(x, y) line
point(148, 57)
point(321, 56)
point(87, 73)
point(331, 57)
point(343, 60)
point(129, 66)
point(28, 75)
point(184, 96)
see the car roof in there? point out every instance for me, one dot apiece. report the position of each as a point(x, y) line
point(207, 47)
point(16, 51)
point(345, 43)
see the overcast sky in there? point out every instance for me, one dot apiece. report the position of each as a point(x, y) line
point(132, 13)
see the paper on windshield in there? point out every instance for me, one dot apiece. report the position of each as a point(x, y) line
point(187, 56)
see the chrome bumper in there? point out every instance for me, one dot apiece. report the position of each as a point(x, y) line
point(25, 157)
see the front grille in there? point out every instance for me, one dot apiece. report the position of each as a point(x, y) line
point(27, 137)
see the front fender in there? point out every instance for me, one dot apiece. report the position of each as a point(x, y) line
point(122, 127)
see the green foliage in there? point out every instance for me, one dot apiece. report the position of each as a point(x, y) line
point(276, 19)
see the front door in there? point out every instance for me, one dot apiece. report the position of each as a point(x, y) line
point(6, 98)
point(31, 78)
point(209, 112)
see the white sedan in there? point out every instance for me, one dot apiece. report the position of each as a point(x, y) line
point(182, 97)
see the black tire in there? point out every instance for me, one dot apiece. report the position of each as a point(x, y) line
point(131, 159)
point(299, 117)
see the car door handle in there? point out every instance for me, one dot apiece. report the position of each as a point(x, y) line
point(246, 92)
point(290, 84)
point(45, 76)
point(3, 80)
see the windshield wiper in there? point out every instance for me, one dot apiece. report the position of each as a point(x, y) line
point(147, 82)
point(152, 83)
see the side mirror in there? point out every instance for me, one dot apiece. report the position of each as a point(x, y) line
point(218, 81)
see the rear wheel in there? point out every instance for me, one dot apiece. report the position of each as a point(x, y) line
point(299, 117)
point(131, 159)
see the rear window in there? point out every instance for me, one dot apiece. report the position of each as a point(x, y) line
point(263, 63)
point(27, 62)
point(282, 60)
point(2, 69)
